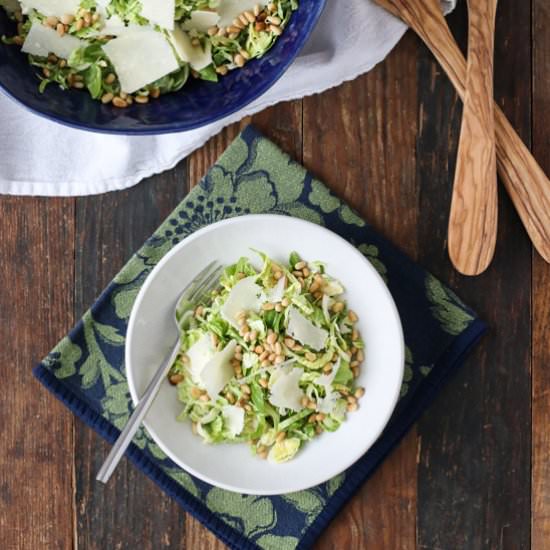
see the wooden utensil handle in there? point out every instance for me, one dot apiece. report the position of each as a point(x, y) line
point(524, 179)
point(474, 205)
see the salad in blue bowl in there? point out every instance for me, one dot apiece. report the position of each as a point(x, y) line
point(147, 66)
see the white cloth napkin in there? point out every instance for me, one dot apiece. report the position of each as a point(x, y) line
point(38, 157)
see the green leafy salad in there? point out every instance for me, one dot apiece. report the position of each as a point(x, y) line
point(125, 51)
point(271, 359)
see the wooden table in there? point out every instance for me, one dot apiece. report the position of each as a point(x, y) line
point(475, 471)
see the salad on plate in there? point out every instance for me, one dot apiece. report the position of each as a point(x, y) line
point(271, 359)
point(126, 51)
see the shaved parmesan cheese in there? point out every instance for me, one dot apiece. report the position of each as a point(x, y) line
point(231, 9)
point(201, 20)
point(140, 58)
point(159, 12)
point(305, 331)
point(194, 55)
point(218, 371)
point(10, 5)
point(277, 293)
point(244, 296)
point(333, 288)
point(327, 379)
point(59, 8)
point(43, 40)
point(234, 419)
point(199, 354)
point(285, 392)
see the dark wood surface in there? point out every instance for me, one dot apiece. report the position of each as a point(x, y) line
point(474, 473)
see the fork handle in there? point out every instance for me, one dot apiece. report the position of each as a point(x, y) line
point(127, 434)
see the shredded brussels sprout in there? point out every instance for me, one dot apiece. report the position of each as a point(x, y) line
point(295, 357)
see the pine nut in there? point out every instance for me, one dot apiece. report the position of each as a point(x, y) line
point(119, 102)
point(305, 401)
point(194, 428)
point(264, 355)
point(274, 20)
point(319, 429)
point(67, 19)
point(306, 272)
point(268, 306)
point(272, 357)
point(237, 25)
point(300, 265)
point(107, 98)
point(278, 348)
point(60, 28)
point(155, 93)
point(212, 31)
point(272, 337)
point(352, 316)
point(79, 24)
point(280, 437)
point(320, 417)
point(352, 407)
point(278, 308)
point(195, 393)
point(289, 343)
point(265, 363)
point(199, 311)
point(279, 359)
point(175, 379)
point(221, 31)
point(312, 405)
point(244, 20)
point(257, 10)
point(355, 371)
point(327, 369)
point(311, 419)
point(262, 455)
point(311, 356)
point(52, 21)
point(249, 16)
point(245, 388)
point(354, 334)
point(260, 26)
point(360, 356)
point(222, 69)
point(233, 35)
point(248, 408)
point(359, 392)
point(314, 287)
point(263, 382)
point(239, 60)
point(285, 302)
point(78, 85)
point(338, 307)
point(352, 399)
point(277, 274)
point(259, 349)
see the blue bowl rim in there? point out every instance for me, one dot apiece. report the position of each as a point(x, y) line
point(178, 127)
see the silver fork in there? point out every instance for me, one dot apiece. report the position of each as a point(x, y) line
point(191, 295)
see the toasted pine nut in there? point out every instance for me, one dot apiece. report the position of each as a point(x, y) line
point(51, 21)
point(352, 407)
point(67, 19)
point(353, 316)
point(222, 69)
point(359, 392)
point(60, 28)
point(107, 98)
point(175, 379)
point(360, 355)
point(268, 306)
point(249, 16)
point(285, 302)
point(327, 369)
point(212, 31)
point(300, 265)
point(239, 60)
point(272, 337)
point(289, 342)
point(280, 437)
point(311, 356)
point(338, 307)
point(245, 388)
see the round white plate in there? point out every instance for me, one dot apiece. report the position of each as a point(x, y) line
point(151, 333)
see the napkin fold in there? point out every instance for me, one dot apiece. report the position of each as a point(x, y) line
point(39, 157)
point(86, 369)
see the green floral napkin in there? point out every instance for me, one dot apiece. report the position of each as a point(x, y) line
point(86, 369)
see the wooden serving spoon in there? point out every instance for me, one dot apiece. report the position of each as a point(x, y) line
point(474, 205)
point(526, 183)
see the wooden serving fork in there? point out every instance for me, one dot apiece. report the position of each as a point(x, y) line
point(526, 183)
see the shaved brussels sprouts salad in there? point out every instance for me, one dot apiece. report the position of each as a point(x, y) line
point(125, 51)
point(271, 359)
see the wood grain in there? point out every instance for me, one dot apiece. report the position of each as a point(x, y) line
point(540, 477)
point(360, 140)
point(473, 217)
point(130, 512)
point(474, 470)
point(525, 181)
point(36, 460)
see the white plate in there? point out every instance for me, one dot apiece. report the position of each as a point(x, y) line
point(151, 332)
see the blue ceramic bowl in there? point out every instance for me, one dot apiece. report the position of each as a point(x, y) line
point(197, 104)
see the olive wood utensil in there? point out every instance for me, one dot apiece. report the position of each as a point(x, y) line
point(474, 207)
point(524, 179)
